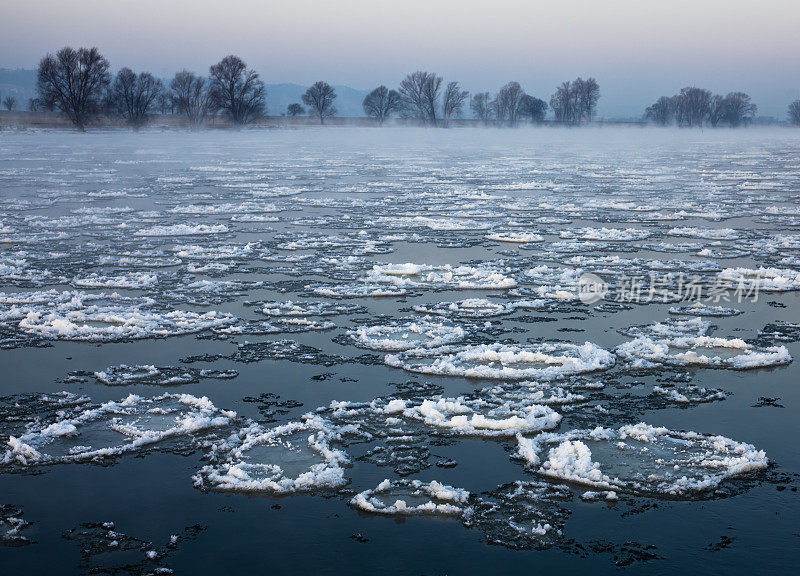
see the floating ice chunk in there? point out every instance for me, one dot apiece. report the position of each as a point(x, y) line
point(118, 324)
point(289, 324)
point(294, 309)
point(704, 351)
point(689, 394)
point(412, 497)
point(11, 526)
point(472, 307)
point(225, 208)
point(124, 375)
point(479, 308)
point(702, 309)
point(406, 336)
point(444, 276)
point(780, 331)
point(225, 252)
point(521, 515)
point(503, 361)
point(214, 267)
point(766, 279)
point(641, 459)
point(592, 495)
point(115, 428)
point(100, 317)
point(556, 283)
point(606, 234)
point(130, 280)
point(183, 230)
point(441, 223)
point(139, 259)
point(761, 358)
point(515, 237)
point(359, 291)
point(671, 328)
point(705, 233)
point(462, 417)
point(296, 457)
point(511, 394)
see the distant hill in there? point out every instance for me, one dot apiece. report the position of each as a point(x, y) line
point(279, 96)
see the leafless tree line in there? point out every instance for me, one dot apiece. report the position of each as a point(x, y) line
point(576, 102)
point(424, 97)
point(699, 107)
point(78, 83)
point(421, 97)
point(132, 96)
point(509, 106)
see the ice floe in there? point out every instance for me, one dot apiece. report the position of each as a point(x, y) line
point(114, 428)
point(752, 280)
point(412, 497)
point(641, 459)
point(445, 276)
point(296, 457)
point(183, 230)
point(515, 237)
point(505, 361)
point(479, 308)
point(687, 343)
point(422, 333)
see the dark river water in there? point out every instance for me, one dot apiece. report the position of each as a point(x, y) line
point(362, 351)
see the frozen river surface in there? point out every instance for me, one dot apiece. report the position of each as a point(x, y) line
point(402, 351)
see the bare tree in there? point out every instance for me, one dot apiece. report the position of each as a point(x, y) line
point(37, 105)
point(481, 107)
point(380, 103)
point(420, 96)
point(693, 106)
point(716, 110)
point(453, 101)
point(576, 102)
point(794, 112)
point(74, 81)
point(588, 93)
point(532, 108)
point(697, 106)
point(134, 95)
point(319, 98)
point(191, 96)
point(165, 103)
point(9, 102)
point(295, 109)
point(662, 112)
point(738, 109)
point(236, 90)
point(562, 103)
point(507, 103)
point(430, 93)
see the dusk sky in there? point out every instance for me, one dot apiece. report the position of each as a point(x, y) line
point(637, 49)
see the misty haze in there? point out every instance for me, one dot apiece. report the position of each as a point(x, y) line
point(402, 288)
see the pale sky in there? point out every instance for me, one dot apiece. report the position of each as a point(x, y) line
point(637, 49)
